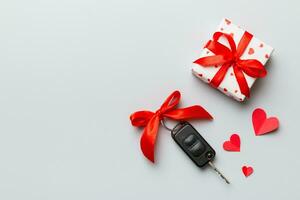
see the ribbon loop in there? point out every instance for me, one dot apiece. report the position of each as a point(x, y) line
point(170, 102)
point(232, 57)
point(141, 118)
point(151, 120)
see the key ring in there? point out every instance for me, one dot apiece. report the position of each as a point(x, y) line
point(162, 121)
point(176, 127)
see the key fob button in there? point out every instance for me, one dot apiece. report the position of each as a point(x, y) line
point(190, 140)
point(197, 149)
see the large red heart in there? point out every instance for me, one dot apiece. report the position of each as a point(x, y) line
point(233, 144)
point(262, 124)
point(247, 170)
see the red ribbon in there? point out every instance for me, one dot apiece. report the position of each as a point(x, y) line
point(150, 120)
point(232, 57)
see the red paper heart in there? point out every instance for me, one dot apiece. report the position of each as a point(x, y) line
point(262, 124)
point(251, 51)
point(247, 170)
point(233, 144)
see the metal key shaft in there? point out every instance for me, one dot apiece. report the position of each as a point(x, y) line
point(216, 170)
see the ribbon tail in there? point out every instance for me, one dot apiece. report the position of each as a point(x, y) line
point(240, 78)
point(219, 76)
point(192, 112)
point(148, 138)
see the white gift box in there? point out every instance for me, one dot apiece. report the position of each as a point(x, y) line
point(256, 49)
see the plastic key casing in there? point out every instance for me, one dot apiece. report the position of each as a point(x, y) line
point(193, 144)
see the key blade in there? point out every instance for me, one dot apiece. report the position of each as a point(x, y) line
point(218, 172)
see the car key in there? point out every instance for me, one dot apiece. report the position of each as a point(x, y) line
point(195, 146)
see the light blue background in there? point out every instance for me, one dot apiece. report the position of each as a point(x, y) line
point(72, 71)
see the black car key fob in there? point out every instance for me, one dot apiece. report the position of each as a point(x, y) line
point(194, 145)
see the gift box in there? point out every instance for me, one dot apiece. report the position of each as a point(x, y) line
point(232, 60)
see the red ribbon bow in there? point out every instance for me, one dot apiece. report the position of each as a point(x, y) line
point(232, 57)
point(150, 120)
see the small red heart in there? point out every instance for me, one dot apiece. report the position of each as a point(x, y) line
point(261, 45)
point(247, 170)
point(251, 51)
point(262, 124)
point(233, 144)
